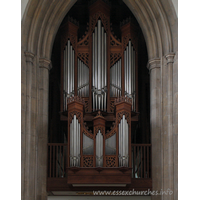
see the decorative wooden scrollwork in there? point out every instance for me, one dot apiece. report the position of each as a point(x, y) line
point(95, 18)
point(112, 105)
point(125, 40)
point(111, 161)
point(87, 161)
point(123, 99)
point(127, 116)
point(84, 57)
point(84, 41)
point(102, 130)
point(73, 41)
point(71, 116)
point(114, 57)
point(86, 105)
point(112, 131)
point(86, 131)
point(114, 42)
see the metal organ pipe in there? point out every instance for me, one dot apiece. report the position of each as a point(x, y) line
point(83, 79)
point(99, 67)
point(115, 79)
point(75, 142)
point(99, 149)
point(68, 83)
point(123, 142)
point(129, 71)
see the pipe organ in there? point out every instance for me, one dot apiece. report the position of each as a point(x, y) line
point(99, 67)
point(75, 143)
point(115, 79)
point(129, 72)
point(99, 86)
point(83, 79)
point(68, 85)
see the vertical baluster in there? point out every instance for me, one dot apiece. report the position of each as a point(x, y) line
point(50, 163)
point(63, 167)
point(77, 142)
point(126, 143)
point(134, 77)
point(53, 161)
point(148, 162)
point(134, 159)
point(145, 162)
point(71, 144)
point(142, 162)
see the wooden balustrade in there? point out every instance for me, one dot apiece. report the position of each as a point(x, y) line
point(57, 160)
point(141, 160)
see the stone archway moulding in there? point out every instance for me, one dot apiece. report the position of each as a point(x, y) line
point(40, 23)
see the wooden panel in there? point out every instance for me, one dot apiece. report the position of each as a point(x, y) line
point(61, 184)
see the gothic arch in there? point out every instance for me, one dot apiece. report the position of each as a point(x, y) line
point(40, 24)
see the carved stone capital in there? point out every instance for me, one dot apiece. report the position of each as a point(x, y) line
point(45, 63)
point(153, 64)
point(29, 56)
point(170, 57)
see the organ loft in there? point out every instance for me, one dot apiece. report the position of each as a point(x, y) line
point(99, 104)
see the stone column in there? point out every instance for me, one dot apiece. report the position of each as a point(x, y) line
point(168, 143)
point(42, 128)
point(28, 138)
point(155, 122)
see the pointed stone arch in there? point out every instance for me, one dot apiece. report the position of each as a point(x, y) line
point(40, 24)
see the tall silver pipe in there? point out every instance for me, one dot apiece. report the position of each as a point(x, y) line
point(124, 134)
point(99, 63)
point(71, 68)
point(73, 72)
point(74, 140)
point(120, 77)
point(130, 66)
point(120, 143)
point(99, 54)
point(111, 81)
point(78, 77)
point(77, 141)
point(126, 144)
point(105, 58)
point(79, 132)
point(103, 67)
point(68, 69)
point(96, 65)
point(125, 70)
point(66, 60)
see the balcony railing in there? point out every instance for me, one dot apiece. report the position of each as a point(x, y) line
point(57, 160)
point(141, 160)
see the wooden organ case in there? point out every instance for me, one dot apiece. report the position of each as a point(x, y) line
point(99, 88)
